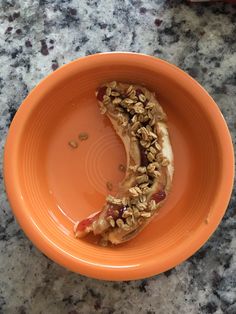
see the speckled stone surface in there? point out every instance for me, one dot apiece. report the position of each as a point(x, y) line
point(37, 36)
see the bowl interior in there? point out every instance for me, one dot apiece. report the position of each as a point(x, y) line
point(60, 185)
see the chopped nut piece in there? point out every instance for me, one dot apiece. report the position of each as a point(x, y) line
point(73, 144)
point(144, 133)
point(125, 201)
point(153, 135)
point(138, 107)
point(103, 109)
point(165, 162)
point(138, 190)
point(115, 94)
point(134, 139)
point(151, 167)
point(142, 97)
point(124, 105)
point(148, 127)
point(116, 213)
point(158, 146)
point(150, 105)
point(129, 90)
point(108, 91)
point(136, 213)
point(135, 126)
point(143, 185)
point(122, 119)
point(155, 164)
point(150, 115)
point(83, 136)
point(150, 157)
point(134, 119)
point(146, 190)
point(154, 111)
point(152, 205)
point(145, 118)
point(106, 99)
point(133, 201)
point(119, 223)
point(133, 168)
point(152, 150)
point(116, 101)
point(143, 198)
point(135, 191)
point(111, 221)
point(111, 199)
point(155, 174)
point(127, 213)
point(129, 221)
point(159, 157)
point(142, 169)
point(145, 144)
point(141, 206)
point(119, 109)
point(132, 95)
point(140, 220)
point(128, 101)
point(147, 94)
point(146, 214)
point(109, 186)
point(125, 227)
point(141, 118)
point(113, 84)
point(152, 122)
point(142, 179)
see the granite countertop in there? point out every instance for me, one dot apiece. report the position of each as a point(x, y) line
point(37, 36)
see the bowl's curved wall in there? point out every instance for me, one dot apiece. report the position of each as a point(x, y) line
point(50, 185)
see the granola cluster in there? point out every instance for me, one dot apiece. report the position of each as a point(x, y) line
point(137, 112)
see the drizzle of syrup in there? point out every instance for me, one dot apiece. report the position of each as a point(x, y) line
point(112, 211)
point(121, 211)
point(159, 196)
point(101, 93)
point(143, 156)
point(138, 91)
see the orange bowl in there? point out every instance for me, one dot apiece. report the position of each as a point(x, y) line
point(51, 185)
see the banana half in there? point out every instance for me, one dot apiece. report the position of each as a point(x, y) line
point(140, 122)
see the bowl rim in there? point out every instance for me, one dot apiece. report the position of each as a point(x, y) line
point(51, 249)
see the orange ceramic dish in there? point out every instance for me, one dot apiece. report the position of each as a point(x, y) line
point(51, 185)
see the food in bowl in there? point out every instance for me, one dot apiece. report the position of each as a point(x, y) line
point(140, 122)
